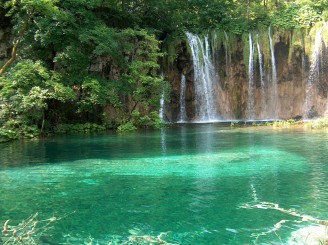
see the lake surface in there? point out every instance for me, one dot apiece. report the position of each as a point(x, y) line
point(194, 184)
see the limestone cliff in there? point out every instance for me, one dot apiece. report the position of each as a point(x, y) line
point(298, 90)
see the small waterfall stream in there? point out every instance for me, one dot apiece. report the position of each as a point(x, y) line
point(262, 77)
point(162, 105)
point(183, 114)
point(274, 87)
point(251, 99)
point(314, 74)
point(204, 77)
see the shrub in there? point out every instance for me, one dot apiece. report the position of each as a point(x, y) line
point(7, 135)
point(126, 127)
point(320, 123)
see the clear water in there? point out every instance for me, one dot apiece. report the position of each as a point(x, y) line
point(189, 181)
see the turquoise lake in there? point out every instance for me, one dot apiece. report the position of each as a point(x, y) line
point(194, 184)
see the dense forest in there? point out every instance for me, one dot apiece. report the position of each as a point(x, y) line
point(82, 66)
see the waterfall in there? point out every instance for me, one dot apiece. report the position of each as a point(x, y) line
point(162, 106)
point(274, 89)
point(314, 74)
point(204, 77)
point(262, 77)
point(251, 99)
point(183, 114)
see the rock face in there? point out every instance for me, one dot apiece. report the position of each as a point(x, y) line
point(299, 89)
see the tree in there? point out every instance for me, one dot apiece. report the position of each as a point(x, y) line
point(24, 13)
point(25, 92)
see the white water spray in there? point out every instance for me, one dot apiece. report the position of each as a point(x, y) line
point(251, 99)
point(183, 114)
point(262, 77)
point(314, 74)
point(162, 106)
point(204, 77)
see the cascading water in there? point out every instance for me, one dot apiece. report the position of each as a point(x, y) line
point(183, 114)
point(162, 105)
point(262, 77)
point(314, 74)
point(204, 77)
point(257, 95)
point(251, 102)
point(274, 88)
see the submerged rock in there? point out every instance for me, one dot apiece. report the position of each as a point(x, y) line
point(310, 235)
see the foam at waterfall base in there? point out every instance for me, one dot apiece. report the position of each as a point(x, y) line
point(309, 235)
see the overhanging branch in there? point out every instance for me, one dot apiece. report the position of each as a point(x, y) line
point(15, 47)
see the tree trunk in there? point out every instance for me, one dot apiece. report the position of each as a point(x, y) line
point(42, 125)
point(15, 46)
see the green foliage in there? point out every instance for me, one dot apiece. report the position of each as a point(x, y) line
point(151, 120)
point(285, 123)
point(137, 120)
point(95, 91)
point(7, 135)
point(296, 42)
point(141, 77)
point(170, 48)
point(319, 123)
point(285, 19)
point(126, 127)
point(156, 121)
point(31, 6)
point(102, 38)
point(325, 15)
point(20, 128)
point(296, 15)
point(306, 17)
point(24, 92)
point(264, 41)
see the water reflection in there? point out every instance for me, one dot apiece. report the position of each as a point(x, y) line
point(183, 139)
point(163, 141)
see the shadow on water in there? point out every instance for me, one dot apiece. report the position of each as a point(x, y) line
point(151, 143)
point(176, 140)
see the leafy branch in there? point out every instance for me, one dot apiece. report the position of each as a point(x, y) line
point(15, 47)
